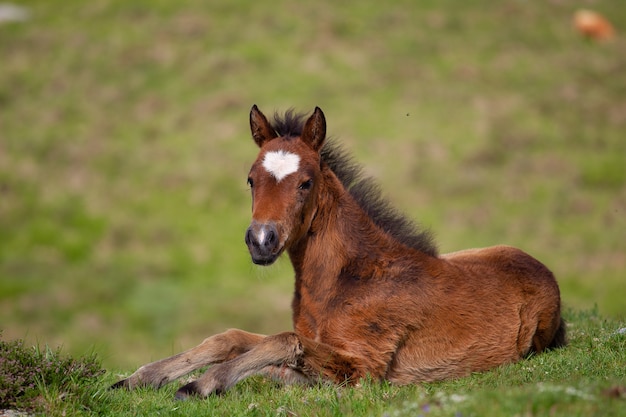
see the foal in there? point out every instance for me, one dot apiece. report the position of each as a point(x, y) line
point(372, 296)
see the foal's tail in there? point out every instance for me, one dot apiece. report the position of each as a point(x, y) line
point(560, 337)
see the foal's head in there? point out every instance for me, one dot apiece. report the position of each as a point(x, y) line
point(283, 179)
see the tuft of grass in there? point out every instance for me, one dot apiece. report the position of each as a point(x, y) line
point(36, 379)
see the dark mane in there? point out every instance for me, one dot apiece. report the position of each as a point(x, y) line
point(363, 189)
point(290, 125)
point(369, 196)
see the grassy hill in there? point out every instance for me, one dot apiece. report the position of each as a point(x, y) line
point(124, 149)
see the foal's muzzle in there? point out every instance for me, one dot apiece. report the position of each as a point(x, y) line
point(263, 243)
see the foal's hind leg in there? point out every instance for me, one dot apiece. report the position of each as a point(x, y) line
point(215, 349)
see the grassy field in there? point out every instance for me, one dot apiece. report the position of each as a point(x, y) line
point(124, 149)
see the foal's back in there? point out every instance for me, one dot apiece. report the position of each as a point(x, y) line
point(500, 305)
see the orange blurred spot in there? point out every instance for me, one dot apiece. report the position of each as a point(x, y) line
point(593, 25)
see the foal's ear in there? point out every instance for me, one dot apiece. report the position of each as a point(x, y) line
point(261, 129)
point(314, 131)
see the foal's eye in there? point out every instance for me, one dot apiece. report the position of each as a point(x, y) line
point(250, 182)
point(305, 185)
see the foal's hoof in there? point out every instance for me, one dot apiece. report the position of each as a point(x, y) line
point(186, 391)
point(193, 389)
point(121, 384)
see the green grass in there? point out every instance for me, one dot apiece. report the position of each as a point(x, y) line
point(586, 378)
point(34, 379)
point(124, 149)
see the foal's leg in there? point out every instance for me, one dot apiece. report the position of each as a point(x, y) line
point(284, 356)
point(215, 349)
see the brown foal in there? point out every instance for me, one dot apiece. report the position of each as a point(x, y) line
point(372, 298)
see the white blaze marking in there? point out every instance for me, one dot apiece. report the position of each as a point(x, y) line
point(281, 163)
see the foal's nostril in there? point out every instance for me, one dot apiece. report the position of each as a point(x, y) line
point(270, 239)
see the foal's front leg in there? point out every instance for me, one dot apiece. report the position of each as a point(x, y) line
point(287, 357)
point(215, 349)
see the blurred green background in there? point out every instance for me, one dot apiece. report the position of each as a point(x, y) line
point(125, 146)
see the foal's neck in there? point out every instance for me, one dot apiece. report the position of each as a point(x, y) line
point(340, 234)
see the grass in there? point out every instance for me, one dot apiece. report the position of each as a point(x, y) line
point(35, 379)
point(124, 149)
point(586, 378)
